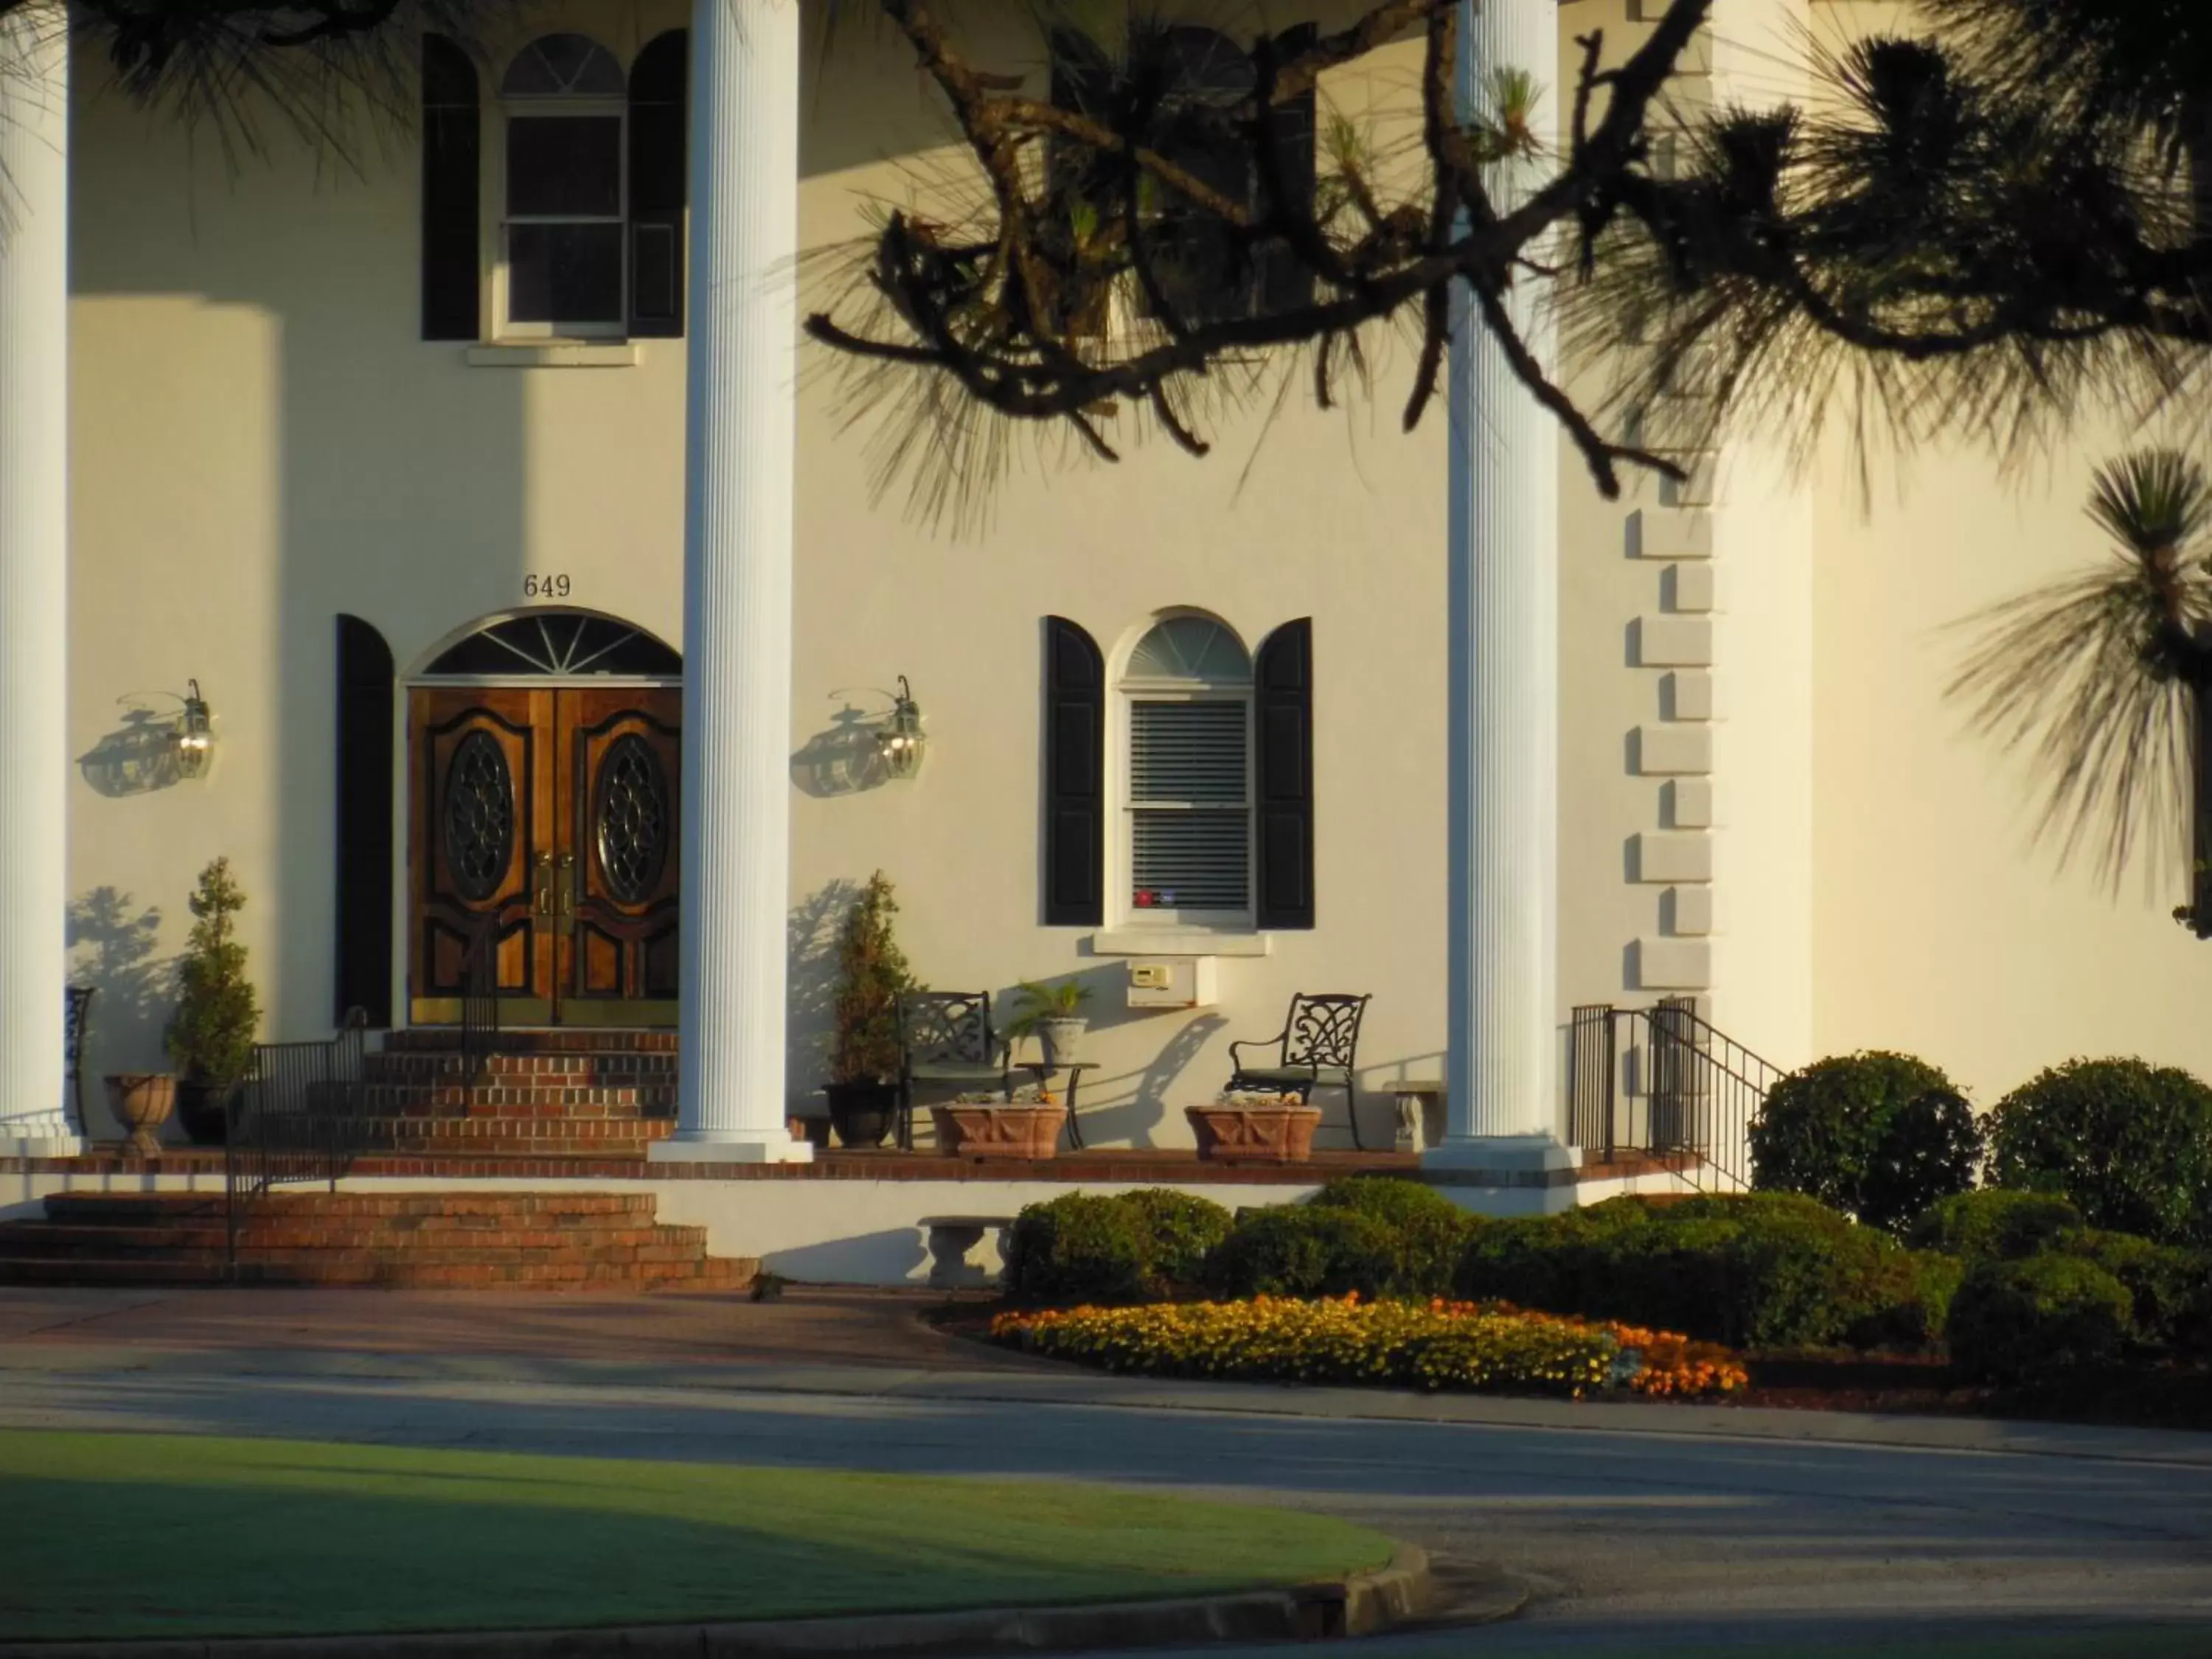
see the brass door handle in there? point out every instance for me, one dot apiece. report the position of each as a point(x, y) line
point(541, 897)
point(567, 887)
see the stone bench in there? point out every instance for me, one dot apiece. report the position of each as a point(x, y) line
point(1415, 1098)
point(950, 1239)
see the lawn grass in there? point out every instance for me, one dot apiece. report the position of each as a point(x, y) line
point(130, 1534)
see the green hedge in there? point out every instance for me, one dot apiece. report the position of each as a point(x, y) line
point(1758, 1271)
point(1993, 1224)
point(1432, 1230)
point(2167, 1287)
point(1376, 1234)
point(1881, 1136)
point(2013, 1320)
point(1129, 1247)
point(2129, 1144)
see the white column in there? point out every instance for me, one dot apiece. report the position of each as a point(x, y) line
point(33, 576)
point(1503, 1107)
point(738, 428)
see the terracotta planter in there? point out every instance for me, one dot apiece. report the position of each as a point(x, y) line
point(1031, 1132)
point(1254, 1134)
point(142, 1102)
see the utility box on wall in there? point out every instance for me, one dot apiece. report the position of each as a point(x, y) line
point(1172, 982)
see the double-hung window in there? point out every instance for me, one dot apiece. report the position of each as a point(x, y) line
point(1187, 694)
point(562, 211)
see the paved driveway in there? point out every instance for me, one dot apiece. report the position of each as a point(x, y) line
point(1636, 1524)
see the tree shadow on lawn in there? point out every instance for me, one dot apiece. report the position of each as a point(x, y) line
point(226, 1538)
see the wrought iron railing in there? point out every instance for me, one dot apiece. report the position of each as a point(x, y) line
point(480, 994)
point(298, 1116)
point(1664, 1081)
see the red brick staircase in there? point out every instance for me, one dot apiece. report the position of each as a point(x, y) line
point(593, 1099)
point(544, 1095)
point(410, 1241)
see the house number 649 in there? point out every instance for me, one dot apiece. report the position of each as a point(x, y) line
point(545, 587)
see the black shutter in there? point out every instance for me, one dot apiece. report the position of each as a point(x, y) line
point(658, 185)
point(1074, 777)
point(1286, 281)
point(452, 256)
point(1283, 710)
point(364, 805)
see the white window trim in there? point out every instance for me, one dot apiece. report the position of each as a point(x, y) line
point(493, 196)
point(1123, 916)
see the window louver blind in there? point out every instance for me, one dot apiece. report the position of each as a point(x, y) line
point(1191, 837)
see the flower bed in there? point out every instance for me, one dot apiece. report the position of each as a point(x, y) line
point(1473, 1347)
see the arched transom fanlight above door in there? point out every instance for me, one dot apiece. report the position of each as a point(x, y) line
point(1190, 648)
point(569, 644)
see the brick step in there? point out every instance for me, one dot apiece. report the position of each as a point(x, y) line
point(381, 1100)
point(549, 1126)
point(433, 1040)
point(618, 1067)
point(47, 1238)
point(141, 1207)
point(715, 1273)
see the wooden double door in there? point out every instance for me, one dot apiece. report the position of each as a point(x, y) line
point(548, 817)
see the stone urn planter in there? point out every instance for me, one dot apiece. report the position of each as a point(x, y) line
point(1254, 1129)
point(1026, 1129)
point(142, 1102)
point(1062, 1039)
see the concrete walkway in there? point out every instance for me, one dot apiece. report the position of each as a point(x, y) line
point(1635, 1523)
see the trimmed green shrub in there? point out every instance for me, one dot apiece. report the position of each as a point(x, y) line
point(1877, 1135)
point(1128, 1247)
point(2129, 1142)
point(2164, 1283)
point(1760, 1271)
point(1993, 1224)
point(1432, 1230)
point(1180, 1228)
point(2013, 1320)
point(1305, 1250)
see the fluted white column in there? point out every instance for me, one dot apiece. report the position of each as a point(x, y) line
point(1503, 1111)
point(739, 430)
point(34, 575)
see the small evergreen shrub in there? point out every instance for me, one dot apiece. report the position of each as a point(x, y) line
point(1305, 1250)
point(2129, 1144)
point(1081, 1247)
point(1432, 1230)
point(1126, 1247)
point(1179, 1228)
point(1993, 1224)
point(1880, 1136)
point(210, 1035)
point(1764, 1270)
point(2165, 1284)
point(2015, 1320)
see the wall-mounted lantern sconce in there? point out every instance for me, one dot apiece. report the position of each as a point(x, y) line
point(899, 739)
point(195, 735)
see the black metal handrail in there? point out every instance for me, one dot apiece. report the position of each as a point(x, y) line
point(298, 1116)
point(480, 994)
point(1700, 1090)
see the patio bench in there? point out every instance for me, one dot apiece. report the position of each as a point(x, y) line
point(950, 1239)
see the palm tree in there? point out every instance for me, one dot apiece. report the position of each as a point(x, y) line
point(2105, 679)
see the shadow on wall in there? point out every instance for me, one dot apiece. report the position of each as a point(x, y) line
point(136, 758)
point(810, 982)
point(891, 1257)
point(112, 950)
point(842, 759)
point(1140, 1119)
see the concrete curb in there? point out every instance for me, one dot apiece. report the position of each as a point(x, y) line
point(1360, 1604)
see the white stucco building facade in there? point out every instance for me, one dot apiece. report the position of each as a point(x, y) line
point(1733, 777)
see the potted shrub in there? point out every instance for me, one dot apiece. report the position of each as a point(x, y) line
point(1247, 1127)
point(210, 1035)
point(864, 1041)
point(1051, 1014)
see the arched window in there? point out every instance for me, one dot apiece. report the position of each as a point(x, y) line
point(1187, 715)
point(1186, 79)
point(585, 229)
point(564, 644)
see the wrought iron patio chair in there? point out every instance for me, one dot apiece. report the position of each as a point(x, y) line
point(1317, 1048)
point(76, 1017)
point(947, 1042)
